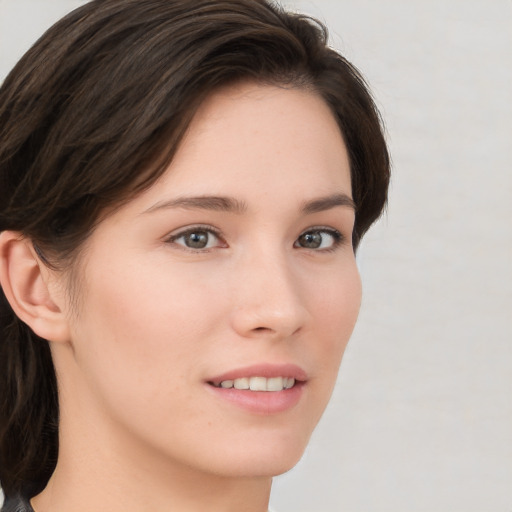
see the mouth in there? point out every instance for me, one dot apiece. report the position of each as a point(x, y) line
point(271, 384)
point(264, 389)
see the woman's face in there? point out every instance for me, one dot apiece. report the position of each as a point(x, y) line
point(235, 269)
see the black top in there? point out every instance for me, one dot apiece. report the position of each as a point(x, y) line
point(16, 504)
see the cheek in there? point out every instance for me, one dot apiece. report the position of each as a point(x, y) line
point(140, 341)
point(336, 308)
point(140, 331)
point(338, 300)
point(342, 304)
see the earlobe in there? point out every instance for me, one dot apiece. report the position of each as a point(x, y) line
point(24, 280)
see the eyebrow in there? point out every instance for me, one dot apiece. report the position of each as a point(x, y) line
point(212, 203)
point(326, 203)
point(232, 205)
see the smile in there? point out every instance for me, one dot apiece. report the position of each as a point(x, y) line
point(262, 389)
point(258, 383)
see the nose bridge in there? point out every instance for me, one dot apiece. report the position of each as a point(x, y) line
point(268, 298)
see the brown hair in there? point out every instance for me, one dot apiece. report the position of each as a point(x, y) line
point(93, 114)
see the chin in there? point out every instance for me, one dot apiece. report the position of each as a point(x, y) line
point(264, 457)
point(276, 467)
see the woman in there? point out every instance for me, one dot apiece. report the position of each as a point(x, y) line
point(184, 186)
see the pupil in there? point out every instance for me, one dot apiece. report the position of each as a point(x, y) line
point(197, 240)
point(311, 240)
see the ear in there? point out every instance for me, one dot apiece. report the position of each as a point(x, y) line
point(26, 283)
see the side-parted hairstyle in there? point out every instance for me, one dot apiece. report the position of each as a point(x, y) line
point(93, 114)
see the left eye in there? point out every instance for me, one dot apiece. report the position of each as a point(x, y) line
point(197, 239)
point(319, 239)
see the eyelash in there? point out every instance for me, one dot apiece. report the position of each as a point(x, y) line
point(338, 238)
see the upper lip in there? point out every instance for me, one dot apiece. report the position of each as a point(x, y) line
point(262, 370)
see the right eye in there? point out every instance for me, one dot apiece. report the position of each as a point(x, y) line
point(197, 239)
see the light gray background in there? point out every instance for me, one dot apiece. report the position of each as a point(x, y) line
point(421, 419)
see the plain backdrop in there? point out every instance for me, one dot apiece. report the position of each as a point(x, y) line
point(421, 418)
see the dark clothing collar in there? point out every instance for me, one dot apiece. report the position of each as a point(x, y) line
point(16, 504)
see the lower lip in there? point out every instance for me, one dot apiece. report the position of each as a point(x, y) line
point(261, 402)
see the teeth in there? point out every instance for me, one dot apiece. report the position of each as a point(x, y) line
point(259, 383)
point(240, 383)
point(290, 382)
point(275, 384)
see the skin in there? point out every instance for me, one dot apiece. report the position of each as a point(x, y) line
point(139, 428)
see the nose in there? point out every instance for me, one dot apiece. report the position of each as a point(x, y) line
point(269, 302)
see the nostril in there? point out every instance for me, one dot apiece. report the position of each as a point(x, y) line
point(262, 329)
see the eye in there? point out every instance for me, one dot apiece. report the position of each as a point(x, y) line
point(319, 239)
point(198, 238)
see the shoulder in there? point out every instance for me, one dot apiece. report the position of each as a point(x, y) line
point(16, 504)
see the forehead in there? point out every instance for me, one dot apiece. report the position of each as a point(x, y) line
point(259, 142)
